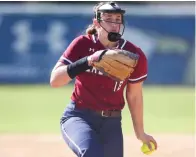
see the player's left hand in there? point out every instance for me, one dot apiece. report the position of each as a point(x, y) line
point(145, 138)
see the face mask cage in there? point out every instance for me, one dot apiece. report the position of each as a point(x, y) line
point(121, 26)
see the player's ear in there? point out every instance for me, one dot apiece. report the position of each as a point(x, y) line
point(96, 23)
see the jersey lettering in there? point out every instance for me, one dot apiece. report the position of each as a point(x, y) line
point(95, 71)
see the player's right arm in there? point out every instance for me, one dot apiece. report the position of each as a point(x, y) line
point(69, 65)
point(59, 76)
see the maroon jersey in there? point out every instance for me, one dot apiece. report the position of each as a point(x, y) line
point(94, 90)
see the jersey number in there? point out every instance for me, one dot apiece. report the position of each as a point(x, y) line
point(117, 85)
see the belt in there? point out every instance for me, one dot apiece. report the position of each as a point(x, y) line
point(105, 113)
point(109, 113)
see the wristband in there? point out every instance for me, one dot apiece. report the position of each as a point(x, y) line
point(77, 67)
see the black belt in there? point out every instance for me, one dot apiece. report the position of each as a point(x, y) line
point(109, 113)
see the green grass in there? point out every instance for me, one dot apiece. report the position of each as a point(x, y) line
point(38, 108)
point(167, 110)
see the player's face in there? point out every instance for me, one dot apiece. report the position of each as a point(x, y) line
point(111, 21)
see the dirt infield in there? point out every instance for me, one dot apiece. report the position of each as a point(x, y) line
point(54, 146)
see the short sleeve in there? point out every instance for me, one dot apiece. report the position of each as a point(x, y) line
point(141, 70)
point(73, 51)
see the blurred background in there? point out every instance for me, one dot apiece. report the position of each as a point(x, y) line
point(33, 35)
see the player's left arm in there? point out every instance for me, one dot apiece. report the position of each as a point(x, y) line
point(134, 93)
point(134, 98)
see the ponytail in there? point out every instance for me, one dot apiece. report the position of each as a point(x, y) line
point(91, 29)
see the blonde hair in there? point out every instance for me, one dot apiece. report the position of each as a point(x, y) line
point(91, 29)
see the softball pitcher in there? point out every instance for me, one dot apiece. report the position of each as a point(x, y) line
point(91, 123)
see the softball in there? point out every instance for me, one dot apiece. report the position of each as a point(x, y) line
point(146, 150)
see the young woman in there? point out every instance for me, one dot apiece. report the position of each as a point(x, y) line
point(91, 122)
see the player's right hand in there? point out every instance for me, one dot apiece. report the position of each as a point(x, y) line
point(95, 57)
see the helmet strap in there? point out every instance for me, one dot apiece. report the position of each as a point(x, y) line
point(113, 36)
